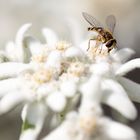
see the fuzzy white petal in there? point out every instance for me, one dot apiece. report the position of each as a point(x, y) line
point(65, 130)
point(33, 44)
point(91, 95)
point(90, 108)
point(12, 69)
point(132, 88)
point(123, 55)
point(9, 85)
point(20, 34)
point(35, 114)
point(56, 101)
point(54, 59)
point(91, 89)
point(19, 46)
point(115, 96)
point(45, 89)
point(58, 134)
point(11, 51)
point(29, 134)
point(50, 36)
point(101, 68)
point(118, 131)
point(10, 100)
point(129, 66)
point(68, 88)
point(73, 52)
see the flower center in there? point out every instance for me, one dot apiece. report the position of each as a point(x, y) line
point(39, 58)
point(62, 46)
point(76, 69)
point(88, 124)
point(100, 50)
point(43, 75)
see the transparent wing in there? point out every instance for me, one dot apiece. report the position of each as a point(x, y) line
point(91, 20)
point(111, 22)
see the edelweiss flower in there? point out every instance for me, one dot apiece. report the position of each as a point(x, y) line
point(34, 74)
point(52, 78)
point(89, 122)
point(89, 126)
point(109, 71)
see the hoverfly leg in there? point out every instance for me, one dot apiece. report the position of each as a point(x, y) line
point(109, 50)
point(101, 49)
point(89, 43)
point(97, 45)
point(100, 46)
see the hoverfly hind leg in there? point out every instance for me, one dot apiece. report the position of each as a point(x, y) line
point(109, 50)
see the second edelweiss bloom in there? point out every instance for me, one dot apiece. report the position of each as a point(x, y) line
point(90, 125)
point(113, 86)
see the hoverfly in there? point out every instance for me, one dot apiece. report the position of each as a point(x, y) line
point(105, 36)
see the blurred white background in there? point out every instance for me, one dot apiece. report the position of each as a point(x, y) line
point(53, 13)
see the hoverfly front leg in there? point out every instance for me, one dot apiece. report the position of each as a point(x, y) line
point(90, 29)
point(89, 42)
